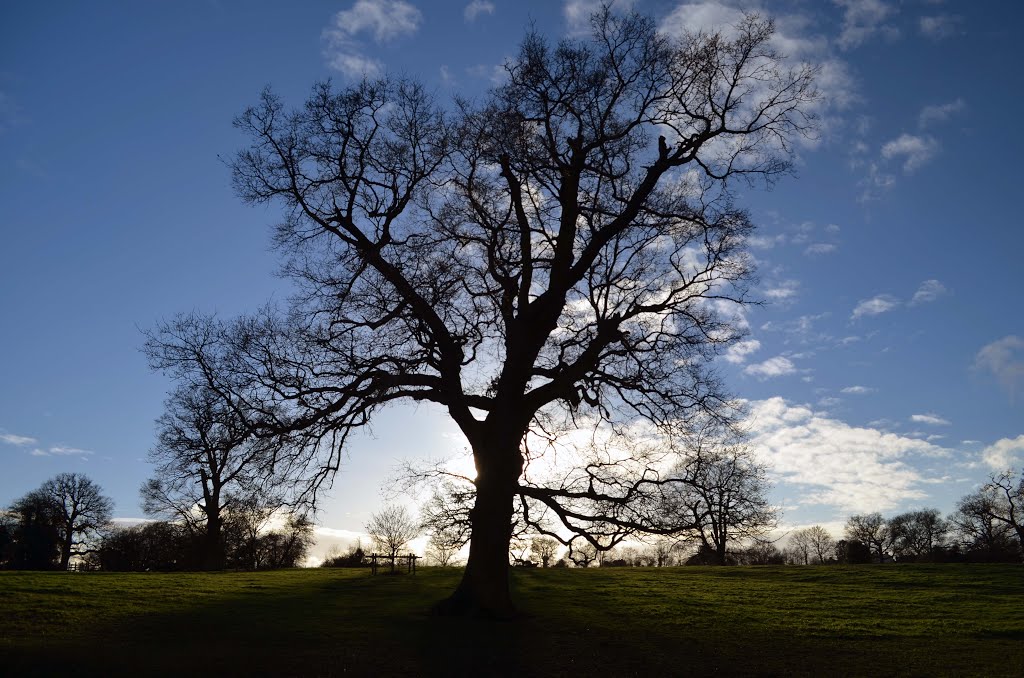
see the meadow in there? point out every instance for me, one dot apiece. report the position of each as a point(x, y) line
point(865, 620)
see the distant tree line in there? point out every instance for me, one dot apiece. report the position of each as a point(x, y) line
point(986, 526)
point(68, 519)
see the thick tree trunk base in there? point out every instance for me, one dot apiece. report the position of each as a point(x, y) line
point(488, 599)
point(462, 604)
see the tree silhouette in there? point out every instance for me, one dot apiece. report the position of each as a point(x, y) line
point(544, 548)
point(392, 528)
point(35, 533)
point(800, 547)
point(989, 519)
point(721, 500)
point(205, 453)
point(80, 510)
point(560, 255)
point(871, 530)
point(1007, 492)
point(916, 535)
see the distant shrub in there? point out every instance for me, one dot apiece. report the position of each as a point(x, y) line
point(355, 557)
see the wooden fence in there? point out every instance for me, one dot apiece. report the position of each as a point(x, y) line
point(407, 561)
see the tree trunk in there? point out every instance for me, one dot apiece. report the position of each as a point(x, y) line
point(213, 546)
point(484, 589)
point(65, 549)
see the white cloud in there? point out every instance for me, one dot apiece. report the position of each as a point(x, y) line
point(940, 26)
point(12, 439)
point(852, 468)
point(930, 419)
point(875, 306)
point(738, 352)
point(793, 39)
point(1004, 359)
point(60, 451)
point(577, 13)
point(476, 8)
point(832, 229)
point(773, 367)
point(940, 112)
point(857, 390)
point(863, 19)
point(766, 242)
point(355, 65)
point(819, 248)
point(915, 150)
point(930, 290)
point(785, 290)
point(383, 20)
point(1004, 454)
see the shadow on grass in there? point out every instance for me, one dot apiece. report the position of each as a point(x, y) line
point(326, 627)
point(637, 622)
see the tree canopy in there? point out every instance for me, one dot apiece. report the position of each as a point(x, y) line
point(564, 254)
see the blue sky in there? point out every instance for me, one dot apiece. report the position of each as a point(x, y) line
point(885, 372)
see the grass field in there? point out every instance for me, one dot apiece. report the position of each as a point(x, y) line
point(867, 620)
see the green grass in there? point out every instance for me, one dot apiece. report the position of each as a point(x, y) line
point(879, 621)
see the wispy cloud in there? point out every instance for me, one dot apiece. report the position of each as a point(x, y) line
point(383, 20)
point(930, 419)
point(930, 290)
point(914, 150)
point(857, 390)
point(1004, 360)
point(476, 8)
point(13, 439)
point(940, 26)
point(738, 352)
point(60, 451)
point(782, 291)
point(778, 366)
point(940, 112)
point(883, 303)
point(820, 248)
point(864, 19)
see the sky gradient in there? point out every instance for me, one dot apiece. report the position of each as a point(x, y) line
point(884, 372)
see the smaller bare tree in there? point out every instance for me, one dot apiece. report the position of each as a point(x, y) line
point(872, 530)
point(391, 529)
point(723, 498)
point(80, 509)
point(443, 546)
point(582, 553)
point(800, 548)
point(544, 548)
point(1006, 490)
point(822, 544)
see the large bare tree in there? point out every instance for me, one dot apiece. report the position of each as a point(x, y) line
point(564, 253)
